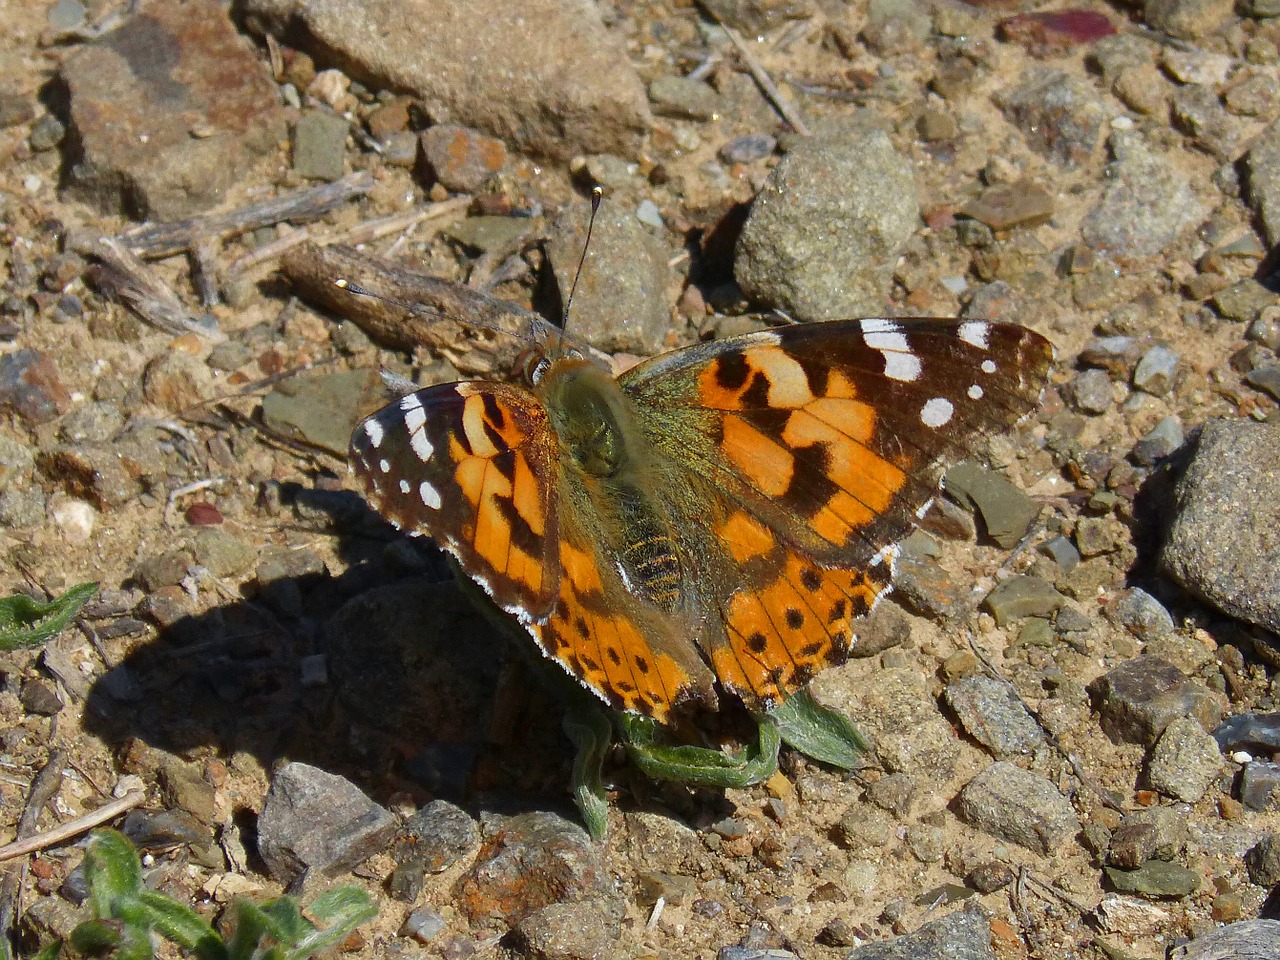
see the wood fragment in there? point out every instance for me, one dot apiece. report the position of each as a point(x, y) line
point(43, 787)
point(153, 241)
point(770, 89)
point(121, 275)
point(72, 828)
point(204, 271)
point(409, 309)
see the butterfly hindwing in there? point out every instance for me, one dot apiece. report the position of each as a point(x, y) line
point(470, 465)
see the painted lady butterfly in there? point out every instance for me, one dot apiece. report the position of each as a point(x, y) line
point(721, 514)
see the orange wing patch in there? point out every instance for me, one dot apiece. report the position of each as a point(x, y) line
point(781, 633)
point(608, 650)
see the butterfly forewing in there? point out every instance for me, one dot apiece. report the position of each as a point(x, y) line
point(836, 433)
point(468, 464)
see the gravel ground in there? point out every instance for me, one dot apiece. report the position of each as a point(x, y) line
point(1070, 695)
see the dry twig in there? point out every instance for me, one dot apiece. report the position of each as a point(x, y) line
point(767, 86)
point(154, 241)
point(72, 828)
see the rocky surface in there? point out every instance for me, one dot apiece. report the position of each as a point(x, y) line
point(1071, 696)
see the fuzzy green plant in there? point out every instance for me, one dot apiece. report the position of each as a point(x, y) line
point(128, 918)
point(25, 622)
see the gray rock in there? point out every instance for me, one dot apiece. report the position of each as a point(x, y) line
point(1198, 111)
point(1163, 440)
point(1062, 552)
point(1019, 806)
point(313, 820)
point(1022, 596)
point(1185, 762)
point(993, 715)
point(824, 234)
point(569, 931)
point(756, 17)
point(899, 716)
point(1099, 535)
point(1117, 355)
point(1132, 844)
point(1244, 301)
point(320, 408)
point(620, 304)
point(1224, 539)
point(1262, 860)
point(748, 148)
point(1244, 940)
point(489, 65)
point(437, 837)
point(1148, 202)
point(319, 144)
point(1141, 614)
point(1260, 785)
point(754, 953)
point(424, 925)
point(1156, 370)
point(224, 554)
point(1060, 115)
point(683, 98)
point(958, 936)
point(1007, 512)
point(1138, 699)
point(1249, 730)
point(168, 110)
point(1186, 19)
point(31, 387)
point(1263, 166)
point(863, 828)
point(1265, 378)
point(1091, 392)
point(1155, 878)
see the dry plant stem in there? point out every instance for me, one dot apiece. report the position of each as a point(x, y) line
point(43, 787)
point(123, 276)
point(414, 303)
point(767, 86)
point(72, 828)
point(165, 239)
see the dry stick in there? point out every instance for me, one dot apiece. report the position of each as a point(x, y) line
point(390, 318)
point(123, 276)
point(165, 239)
point(769, 88)
point(72, 828)
point(43, 787)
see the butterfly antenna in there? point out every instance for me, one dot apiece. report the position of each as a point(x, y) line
point(596, 195)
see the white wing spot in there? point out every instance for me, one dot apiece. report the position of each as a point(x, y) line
point(887, 337)
point(975, 392)
point(429, 494)
point(421, 445)
point(988, 366)
point(384, 466)
point(902, 366)
point(975, 334)
point(936, 412)
point(404, 486)
point(373, 430)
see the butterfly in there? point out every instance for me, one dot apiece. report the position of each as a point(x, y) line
point(717, 517)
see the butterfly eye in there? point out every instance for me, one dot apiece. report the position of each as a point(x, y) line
point(532, 364)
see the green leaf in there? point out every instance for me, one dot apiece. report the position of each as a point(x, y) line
point(179, 923)
point(587, 725)
point(112, 873)
point(251, 926)
point(342, 909)
point(95, 936)
point(819, 732)
point(49, 951)
point(288, 925)
point(698, 766)
point(28, 623)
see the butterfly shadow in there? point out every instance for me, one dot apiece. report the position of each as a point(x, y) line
point(384, 674)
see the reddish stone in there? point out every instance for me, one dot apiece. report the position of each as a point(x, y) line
point(203, 515)
point(1049, 32)
point(460, 158)
point(31, 388)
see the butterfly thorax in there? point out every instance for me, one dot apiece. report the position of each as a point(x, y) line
point(608, 473)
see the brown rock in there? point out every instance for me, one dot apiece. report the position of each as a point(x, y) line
point(167, 111)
